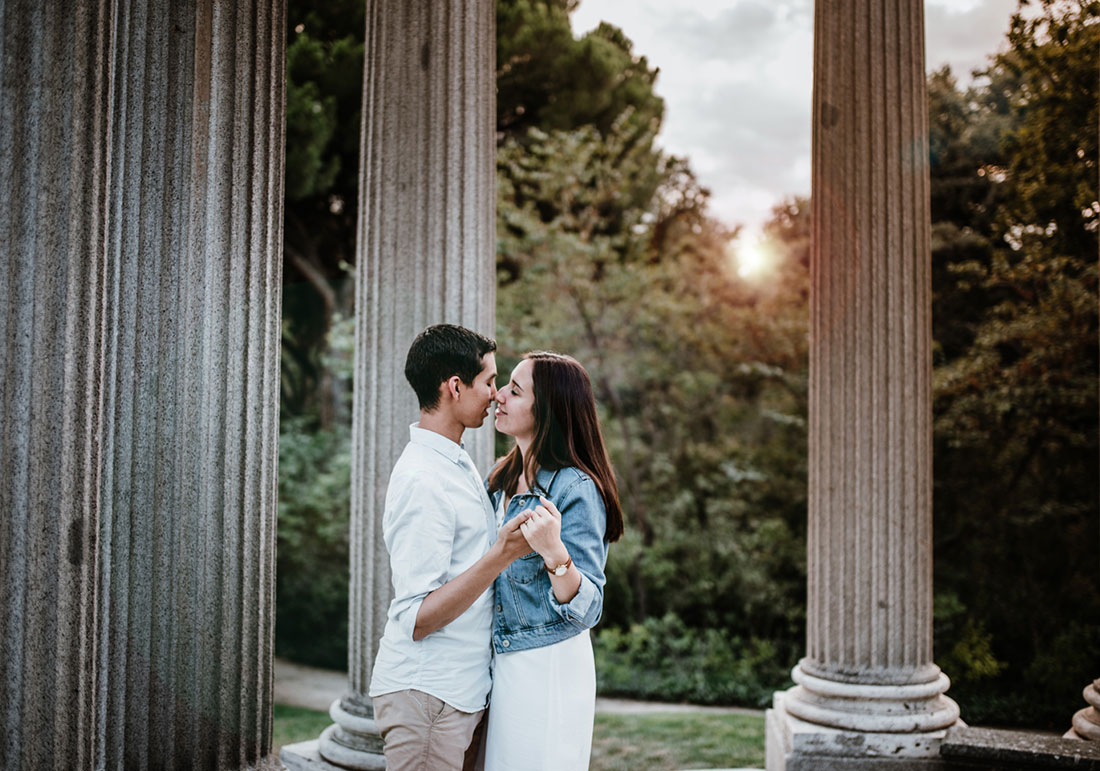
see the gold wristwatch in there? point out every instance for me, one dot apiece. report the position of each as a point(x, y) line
point(560, 569)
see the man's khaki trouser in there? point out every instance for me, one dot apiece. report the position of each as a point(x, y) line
point(423, 733)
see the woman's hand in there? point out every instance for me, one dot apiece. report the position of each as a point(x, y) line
point(543, 531)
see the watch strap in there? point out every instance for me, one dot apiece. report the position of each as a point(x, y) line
point(559, 570)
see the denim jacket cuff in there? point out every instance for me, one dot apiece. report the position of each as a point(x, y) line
point(580, 606)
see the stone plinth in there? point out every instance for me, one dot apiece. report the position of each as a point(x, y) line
point(806, 746)
point(425, 250)
point(868, 676)
point(141, 156)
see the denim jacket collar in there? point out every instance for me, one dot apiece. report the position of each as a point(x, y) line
point(544, 484)
point(544, 481)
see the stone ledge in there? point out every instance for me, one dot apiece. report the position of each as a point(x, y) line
point(305, 756)
point(1000, 748)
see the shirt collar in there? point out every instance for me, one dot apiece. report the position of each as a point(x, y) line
point(437, 442)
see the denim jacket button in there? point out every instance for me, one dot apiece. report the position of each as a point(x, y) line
point(500, 608)
point(505, 644)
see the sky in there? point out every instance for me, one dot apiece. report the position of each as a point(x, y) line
point(736, 79)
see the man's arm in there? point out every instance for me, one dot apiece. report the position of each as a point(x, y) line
point(443, 605)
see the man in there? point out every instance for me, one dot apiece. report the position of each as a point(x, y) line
point(431, 678)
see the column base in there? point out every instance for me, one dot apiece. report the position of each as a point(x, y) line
point(1086, 723)
point(793, 744)
point(353, 741)
point(906, 703)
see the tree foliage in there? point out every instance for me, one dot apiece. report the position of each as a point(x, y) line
point(324, 98)
point(547, 79)
point(700, 375)
point(1014, 193)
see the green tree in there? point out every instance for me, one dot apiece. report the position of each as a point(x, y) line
point(548, 79)
point(700, 375)
point(1016, 396)
point(324, 96)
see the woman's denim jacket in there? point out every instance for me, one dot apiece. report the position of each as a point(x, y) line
point(526, 614)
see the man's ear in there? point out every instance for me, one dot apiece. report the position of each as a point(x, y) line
point(451, 384)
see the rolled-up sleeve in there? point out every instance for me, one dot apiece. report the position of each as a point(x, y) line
point(583, 524)
point(419, 529)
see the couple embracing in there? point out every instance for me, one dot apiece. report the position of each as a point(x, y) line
point(496, 582)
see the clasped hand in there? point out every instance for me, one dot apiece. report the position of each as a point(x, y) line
point(543, 531)
point(537, 529)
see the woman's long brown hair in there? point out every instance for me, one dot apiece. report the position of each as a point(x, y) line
point(567, 433)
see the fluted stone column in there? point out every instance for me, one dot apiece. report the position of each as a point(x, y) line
point(53, 120)
point(868, 687)
point(426, 254)
point(141, 155)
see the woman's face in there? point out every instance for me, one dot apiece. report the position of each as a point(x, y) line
point(516, 402)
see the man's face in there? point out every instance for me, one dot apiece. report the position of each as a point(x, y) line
point(474, 400)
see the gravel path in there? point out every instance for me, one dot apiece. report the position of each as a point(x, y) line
point(301, 686)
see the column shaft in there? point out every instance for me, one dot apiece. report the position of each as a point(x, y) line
point(870, 473)
point(425, 254)
point(868, 666)
point(143, 317)
point(53, 127)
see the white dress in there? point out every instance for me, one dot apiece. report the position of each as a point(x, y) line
point(542, 706)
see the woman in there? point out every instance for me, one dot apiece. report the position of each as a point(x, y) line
point(558, 474)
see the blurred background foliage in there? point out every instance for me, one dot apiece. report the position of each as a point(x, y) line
point(606, 250)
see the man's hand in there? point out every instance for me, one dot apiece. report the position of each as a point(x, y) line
point(513, 543)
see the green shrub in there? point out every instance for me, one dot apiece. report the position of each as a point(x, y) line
point(312, 572)
point(662, 659)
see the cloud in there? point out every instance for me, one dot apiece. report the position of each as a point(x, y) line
point(737, 75)
point(964, 37)
point(737, 31)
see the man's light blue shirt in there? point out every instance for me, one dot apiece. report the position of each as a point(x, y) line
point(436, 525)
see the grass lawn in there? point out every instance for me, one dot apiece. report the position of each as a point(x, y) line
point(676, 740)
point(297, 724)
point(650, 742)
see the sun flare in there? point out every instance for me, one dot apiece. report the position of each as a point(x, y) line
point(752, 258)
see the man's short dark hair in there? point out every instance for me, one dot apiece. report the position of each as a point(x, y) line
point(440, 352)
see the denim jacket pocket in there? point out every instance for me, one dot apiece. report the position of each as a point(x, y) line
point(526, 569)
point(528, 591)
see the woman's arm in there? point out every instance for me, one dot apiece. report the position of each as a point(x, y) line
point(575, 533)
point(543, 532)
